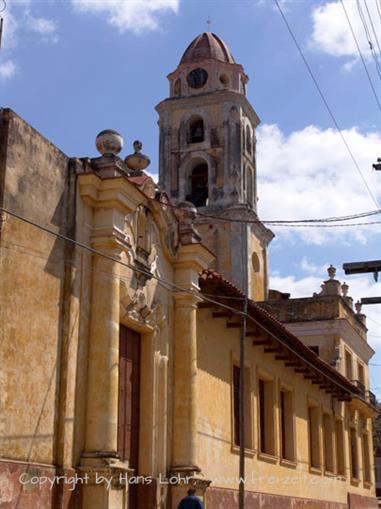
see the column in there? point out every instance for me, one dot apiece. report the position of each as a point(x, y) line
point(192, 259)
point(185, 386)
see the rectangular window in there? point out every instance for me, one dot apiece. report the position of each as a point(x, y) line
point(314, 436)
point(361, 377)
point(340, 461)
point(354, 453)
point(287, 425)
point(248, 408)
point(366, 457)
point(348, 365)
point(328, 443)
point(129, 396)
point(266, 416)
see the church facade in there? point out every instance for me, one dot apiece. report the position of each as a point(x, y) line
point(120, 316)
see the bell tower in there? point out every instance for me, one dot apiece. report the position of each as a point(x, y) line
point(207, 157)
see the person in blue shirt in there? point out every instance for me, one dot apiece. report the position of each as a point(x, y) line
point(191, 501)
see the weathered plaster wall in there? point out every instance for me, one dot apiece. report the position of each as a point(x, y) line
point(36, 186)
point(39, 317)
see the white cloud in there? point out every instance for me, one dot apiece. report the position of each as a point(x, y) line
point(331, 33)
point(18, 19)
point(134, 15)
point(309, 174)
point(359, 286)
point(7, 69)
point(45, 27)
point(308, 266)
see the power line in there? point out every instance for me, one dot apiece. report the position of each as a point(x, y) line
point(174, 286)
point(372, 25)
point(367, 34)
point(359, 51)
point(275, 222)
point(326, 103)
point(378, 5)
point(316, 225)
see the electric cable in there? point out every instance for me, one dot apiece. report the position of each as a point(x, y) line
point(326, 103)
point(174, 286)
point(367, 35)
point(372, 25)
point(378, 5)
point(273, 222)
point(361, 55)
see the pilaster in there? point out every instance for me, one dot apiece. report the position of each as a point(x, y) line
point(111, 199)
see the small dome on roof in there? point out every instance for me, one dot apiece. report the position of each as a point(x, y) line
point(207, 46)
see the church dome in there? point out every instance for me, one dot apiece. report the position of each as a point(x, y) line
point(207, 46)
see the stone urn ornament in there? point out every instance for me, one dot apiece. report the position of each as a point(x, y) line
point(109, 142)
point(137, 161)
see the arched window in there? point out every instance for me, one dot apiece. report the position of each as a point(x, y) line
point(196, 130)
point(199, 185)
point(248, 139)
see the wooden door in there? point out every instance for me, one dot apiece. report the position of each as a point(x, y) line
point(129, 395)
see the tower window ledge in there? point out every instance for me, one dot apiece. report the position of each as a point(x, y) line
point(199, 144)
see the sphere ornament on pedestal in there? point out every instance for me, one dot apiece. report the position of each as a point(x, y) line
point(185, 212)
point(109, 142)
point(137, 161)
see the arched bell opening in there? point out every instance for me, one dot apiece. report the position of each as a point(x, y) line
point(196, 130)
point(199, 185)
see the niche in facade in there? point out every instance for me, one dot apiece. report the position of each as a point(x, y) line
point(250, 186)
point(224, 80)
point(196, 130)
point(199, 185)
point(177, 88)
point(255, 262)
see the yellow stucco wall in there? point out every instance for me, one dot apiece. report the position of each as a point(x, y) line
point(218, 347)
point(32, 270)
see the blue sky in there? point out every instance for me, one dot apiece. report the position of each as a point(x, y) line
point(72, 68)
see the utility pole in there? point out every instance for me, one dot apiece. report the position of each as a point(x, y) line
point(377, 166)
point(241, 501)
point(2, 9)
point(372, 266)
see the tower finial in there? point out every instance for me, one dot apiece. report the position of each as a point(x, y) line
point(209, 23)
